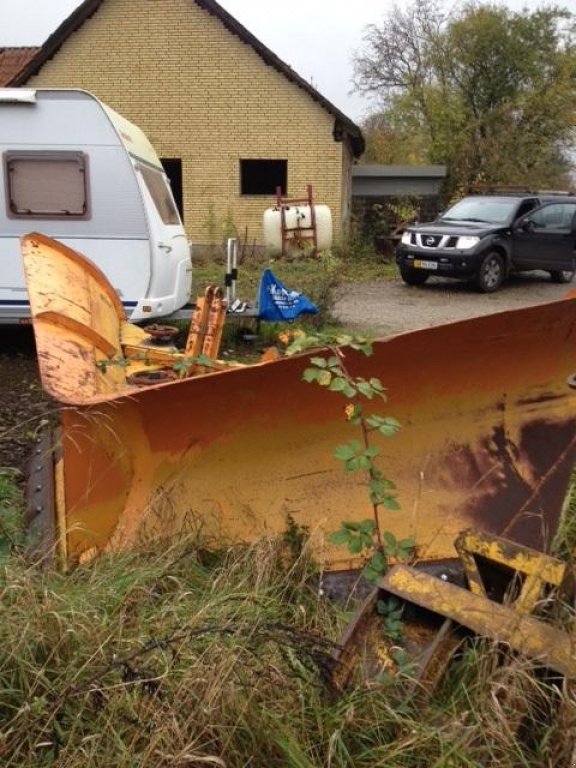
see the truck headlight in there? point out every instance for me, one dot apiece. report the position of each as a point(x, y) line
point(406, 237)
point(466, 242)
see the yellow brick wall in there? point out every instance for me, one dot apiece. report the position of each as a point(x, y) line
point(202, 95)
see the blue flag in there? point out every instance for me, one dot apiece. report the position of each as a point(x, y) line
point(276, 302)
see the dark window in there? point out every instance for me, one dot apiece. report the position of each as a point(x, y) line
point(263, 177)
point(160, 193)
point(47, 184)
point(173, 168)
point(525, 207)
point(558, 216)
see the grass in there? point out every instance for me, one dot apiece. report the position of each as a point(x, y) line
point(184, 656)
point(311, 275)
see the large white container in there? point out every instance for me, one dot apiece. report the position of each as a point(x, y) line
point(298, 222)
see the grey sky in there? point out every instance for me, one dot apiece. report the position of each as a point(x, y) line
point(317, 38)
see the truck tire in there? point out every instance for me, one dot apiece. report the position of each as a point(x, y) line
point(491, 274)
point(412, 276)
point(562, 276)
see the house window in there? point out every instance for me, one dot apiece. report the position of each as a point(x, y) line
point(173, 168)
point(160, 193)
point(49, 185)
point(263, 177)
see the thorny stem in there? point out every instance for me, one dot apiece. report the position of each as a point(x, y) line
point(356, 400)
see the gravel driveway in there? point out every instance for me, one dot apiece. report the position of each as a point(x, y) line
point(392, 306)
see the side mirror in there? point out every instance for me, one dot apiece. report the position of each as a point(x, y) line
point(526, 225)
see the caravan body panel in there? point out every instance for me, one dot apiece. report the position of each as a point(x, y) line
point(145, 257)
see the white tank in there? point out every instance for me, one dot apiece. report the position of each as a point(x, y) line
point(298, 225)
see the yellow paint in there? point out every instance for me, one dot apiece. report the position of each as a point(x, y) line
point(539, 641)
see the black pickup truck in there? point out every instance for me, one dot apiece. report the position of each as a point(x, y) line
point(484, 238)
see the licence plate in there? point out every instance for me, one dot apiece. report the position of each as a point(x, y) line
point(419, 264)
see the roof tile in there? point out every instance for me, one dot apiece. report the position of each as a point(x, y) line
point(13, 61)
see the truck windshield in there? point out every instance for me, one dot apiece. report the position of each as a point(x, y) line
point(492, 210)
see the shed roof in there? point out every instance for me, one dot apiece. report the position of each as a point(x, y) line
point(343, 124)
point(13, 61)
point(399, 171)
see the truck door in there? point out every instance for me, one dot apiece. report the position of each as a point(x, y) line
point(545, 238)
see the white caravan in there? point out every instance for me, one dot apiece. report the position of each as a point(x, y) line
point(75, 170)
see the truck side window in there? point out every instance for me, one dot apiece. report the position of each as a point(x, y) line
point(557, 216)
point(46, 184)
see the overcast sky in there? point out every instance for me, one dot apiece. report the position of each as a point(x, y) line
point(317, 38)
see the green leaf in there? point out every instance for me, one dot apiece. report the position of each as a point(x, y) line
point(319, 362)
point(338, 384)
point(345, 452)
point(324, 378)
point(389, 426)
point(339, 537)
point(370, 574)
point(358, 463)
point(367, 526)
point(355, 546)
point(310, 374)
point(389, 538)
point(376, 385)
point(378, 562)
point(365, 389)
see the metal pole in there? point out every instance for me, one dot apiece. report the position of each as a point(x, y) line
point(231, 271)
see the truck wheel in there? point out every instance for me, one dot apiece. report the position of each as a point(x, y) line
point(491, 273)
point(412, 277)
point(562, 276)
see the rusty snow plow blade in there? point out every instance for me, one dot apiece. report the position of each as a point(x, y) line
point(487, 441)
point(508, 593)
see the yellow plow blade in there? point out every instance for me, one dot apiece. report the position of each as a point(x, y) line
point(488, 434)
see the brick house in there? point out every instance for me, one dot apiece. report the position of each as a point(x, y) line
point(229, 119)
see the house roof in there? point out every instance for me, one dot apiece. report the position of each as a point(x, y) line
point(342, 125)
point(13, 61)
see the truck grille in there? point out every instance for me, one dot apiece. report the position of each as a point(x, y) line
point(431, 241)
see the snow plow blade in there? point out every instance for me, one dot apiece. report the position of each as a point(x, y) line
point(486, 405)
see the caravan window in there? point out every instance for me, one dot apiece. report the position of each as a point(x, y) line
point(160, 194)
point(47, 184)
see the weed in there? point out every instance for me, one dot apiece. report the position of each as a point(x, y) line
point(332, 372)
point(11, 511)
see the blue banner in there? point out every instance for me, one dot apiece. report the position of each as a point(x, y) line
point(276, 302)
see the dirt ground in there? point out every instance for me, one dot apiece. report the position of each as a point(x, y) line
point(24, 407)
point(377, 308)
point(392, 307)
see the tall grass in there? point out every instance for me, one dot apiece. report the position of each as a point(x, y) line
point(186, 657)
